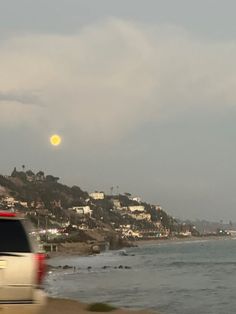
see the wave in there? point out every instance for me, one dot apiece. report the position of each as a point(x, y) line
point(203, 263)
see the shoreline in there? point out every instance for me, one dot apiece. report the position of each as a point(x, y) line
point(178, 240)
point(68, 306)
point(84, 249)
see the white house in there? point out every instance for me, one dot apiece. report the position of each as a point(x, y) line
point(138, 208)
point(10, 201)
point(141, 216)
point(87, 210)
point(185, 234)
point(131, 233)
point(136, 199)
point(116, 203)
point(24, 204)
point(82, 210)
point(97, 195)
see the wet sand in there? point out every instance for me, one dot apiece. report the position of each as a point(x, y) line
point(65, 306)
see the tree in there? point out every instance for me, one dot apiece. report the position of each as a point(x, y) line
point(50, 178)
point(127, 194)
point(14, 172)
point(30, 173)
point(112, 188)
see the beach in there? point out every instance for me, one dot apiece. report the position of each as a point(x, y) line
point(65, 306)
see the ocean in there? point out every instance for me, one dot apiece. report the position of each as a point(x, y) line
point(169, 277)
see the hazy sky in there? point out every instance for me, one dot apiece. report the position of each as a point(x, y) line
point(143, 94)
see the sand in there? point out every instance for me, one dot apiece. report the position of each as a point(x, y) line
point(65, 306)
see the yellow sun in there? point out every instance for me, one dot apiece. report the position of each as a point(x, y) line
point(55, 140)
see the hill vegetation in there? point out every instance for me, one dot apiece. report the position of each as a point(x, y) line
point(50, 204)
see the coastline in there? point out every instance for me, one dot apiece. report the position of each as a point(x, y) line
point(67, 306)
point(84, 249)
point(178, 240)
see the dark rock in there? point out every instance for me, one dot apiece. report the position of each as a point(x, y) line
point(96, 249)
point(67, 267)
point(124, 253)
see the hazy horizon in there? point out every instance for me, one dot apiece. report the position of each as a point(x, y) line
point(142, 94)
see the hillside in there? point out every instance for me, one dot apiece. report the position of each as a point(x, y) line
point(74, 213)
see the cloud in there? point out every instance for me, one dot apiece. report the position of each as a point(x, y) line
point(14, 114)
point(111, 78)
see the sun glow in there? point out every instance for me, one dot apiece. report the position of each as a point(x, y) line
point(55, 140)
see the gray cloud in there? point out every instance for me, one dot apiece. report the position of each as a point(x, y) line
point(112, 77)
point(20, 97)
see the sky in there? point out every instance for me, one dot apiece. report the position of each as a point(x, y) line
point(143, 94)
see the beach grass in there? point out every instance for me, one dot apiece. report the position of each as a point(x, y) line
point(100, 307)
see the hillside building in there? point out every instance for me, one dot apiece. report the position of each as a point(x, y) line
point(97, 195)
point(82, 210)
point(138, 208)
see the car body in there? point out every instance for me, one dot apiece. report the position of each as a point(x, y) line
point(22, 267)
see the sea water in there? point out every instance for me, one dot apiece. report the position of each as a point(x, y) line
point(170, 277)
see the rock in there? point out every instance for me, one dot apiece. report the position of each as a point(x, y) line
point(67, 267)
point(124, 253)
point(96, 249)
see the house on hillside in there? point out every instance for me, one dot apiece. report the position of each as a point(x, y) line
point(138, 208)
point(116, 203)
point(24, 204)
point(141, 216)
point(131, 234)
point(9, 201)
point(81, 210)
point(136, 199)
point(40, 177)
point(97, 195)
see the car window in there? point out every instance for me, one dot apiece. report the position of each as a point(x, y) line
point(13, 237)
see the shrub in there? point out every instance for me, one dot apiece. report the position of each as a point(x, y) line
point(100, 307)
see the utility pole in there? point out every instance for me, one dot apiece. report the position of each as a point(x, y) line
point(38, 220)
point(46, 225)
